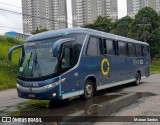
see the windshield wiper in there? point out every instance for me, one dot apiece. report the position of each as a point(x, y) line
point(26, 64)
point(36, 62)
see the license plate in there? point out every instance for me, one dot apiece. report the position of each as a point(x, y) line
point(31, 95)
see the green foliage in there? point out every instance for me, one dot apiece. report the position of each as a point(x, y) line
point(40, 31)
point(10, 40)
point(154, 42)
point(121, 26)
point(146, 21)
point(155, 67)
point(8, 70)
point(101, 23)
point(146, 27)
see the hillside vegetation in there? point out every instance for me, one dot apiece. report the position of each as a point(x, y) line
point(155, 67)
point(8, 69)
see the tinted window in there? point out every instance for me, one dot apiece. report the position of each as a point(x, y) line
point(76, 49)
point(115, 45)
point(122, 48)
point(145, 50)
point(77, 45)
point(93, 46)
point(79, 38)
point(132, 49)
point(108, 47)
point(67, 60)
point(138, 50)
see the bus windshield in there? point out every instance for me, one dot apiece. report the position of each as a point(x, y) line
point(37, 60)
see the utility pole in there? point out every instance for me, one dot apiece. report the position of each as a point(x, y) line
point(66, 14)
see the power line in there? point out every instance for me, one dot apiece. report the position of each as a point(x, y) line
point(9, 11)
point(11, 27)
point(10, 5)
point(18, 13)
point(23, 8)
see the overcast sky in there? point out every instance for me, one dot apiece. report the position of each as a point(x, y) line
point(15, 20)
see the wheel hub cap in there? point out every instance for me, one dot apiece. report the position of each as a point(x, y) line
point(88, 89)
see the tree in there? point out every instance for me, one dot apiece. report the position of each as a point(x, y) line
point(146, 21)
point(121, 26)
point(39, 31)
point(101, 23)
point(154, 42)
point(145, 27)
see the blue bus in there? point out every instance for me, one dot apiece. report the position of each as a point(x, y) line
point(61, 64)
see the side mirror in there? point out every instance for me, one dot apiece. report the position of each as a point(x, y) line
point(57, 45)
point(11, 51)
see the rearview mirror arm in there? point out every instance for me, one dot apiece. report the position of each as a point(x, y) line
point(12, 49)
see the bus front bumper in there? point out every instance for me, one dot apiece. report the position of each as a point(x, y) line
point(40, 93)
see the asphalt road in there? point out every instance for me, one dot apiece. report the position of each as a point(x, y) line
point(148, 106)
point(9, 98)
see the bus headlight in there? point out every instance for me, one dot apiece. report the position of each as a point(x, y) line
point(50, 86)
point(54, 94)
point(54, 84)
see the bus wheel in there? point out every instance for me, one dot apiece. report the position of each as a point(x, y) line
point(88, 89)
point(138, 78)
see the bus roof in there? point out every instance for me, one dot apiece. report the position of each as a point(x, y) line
point(63, 32)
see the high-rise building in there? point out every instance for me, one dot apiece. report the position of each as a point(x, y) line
point(86, 11)
point(50, 14)
point(133, 6)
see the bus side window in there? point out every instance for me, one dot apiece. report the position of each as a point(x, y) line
point(77, 48)
point(107, 47)
point(67, 60)
point(145, 50)
point(122, 48)
point(116, 49)
point(132, 50)
point(142, 50)
point(127, 50)
point(94, 45)
point(138, 50)
point(100, 42)
point(104, 47)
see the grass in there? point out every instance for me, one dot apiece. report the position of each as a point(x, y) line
point(8, 69)
point(155, 66)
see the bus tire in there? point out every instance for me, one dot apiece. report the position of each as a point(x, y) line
point(88, 89)
point(138, 79)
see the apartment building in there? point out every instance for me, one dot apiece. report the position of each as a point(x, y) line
point(86, 11)
point(50, 14)
point(133, 6)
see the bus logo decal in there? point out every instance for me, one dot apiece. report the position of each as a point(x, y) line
point(138, 62)
point(104, 71)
